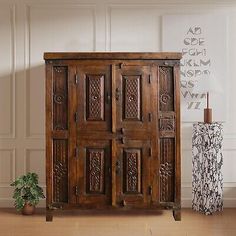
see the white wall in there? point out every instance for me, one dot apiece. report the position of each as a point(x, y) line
point(29, 28)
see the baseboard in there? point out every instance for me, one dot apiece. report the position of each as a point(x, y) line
point(186, 203)
point(9, 203)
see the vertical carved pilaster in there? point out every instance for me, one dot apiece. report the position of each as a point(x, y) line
point(60, 97)
point(166, 89)
point(60, 170)
point(167, 154)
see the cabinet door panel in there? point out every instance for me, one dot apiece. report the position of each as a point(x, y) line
point(93, 98)
point(133, 94)
point(94, 173)
point(132, 173)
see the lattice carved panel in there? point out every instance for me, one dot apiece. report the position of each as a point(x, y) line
point(95, 97)
point(166, 171)
point(132, 97)
point(60, 98)
point(166, 89)
point(132, 171)
point(95, 171)
point(60, 170)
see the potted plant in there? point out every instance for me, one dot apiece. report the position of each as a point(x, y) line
point(27, 193)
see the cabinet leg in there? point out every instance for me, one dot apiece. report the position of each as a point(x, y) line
point(177, 214)
point(49, 216)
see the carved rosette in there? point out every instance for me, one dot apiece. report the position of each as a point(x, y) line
point(59, 98)
point(166, 89)
point(132, 97)
point(165, 97)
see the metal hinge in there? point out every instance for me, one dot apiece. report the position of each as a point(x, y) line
point(149, 117)
point(76, 152)
point(150, 190)
point(76, 79)
point(150, 152)
point(76, 117)
point(108, 98)
point(149, 79)
point(76, 190)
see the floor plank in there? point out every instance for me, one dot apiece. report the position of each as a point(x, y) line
point(107, 223)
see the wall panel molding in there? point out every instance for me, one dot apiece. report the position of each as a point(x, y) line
point(12, 115)
point(34, 161)
point(12, 167)
point(136, 6)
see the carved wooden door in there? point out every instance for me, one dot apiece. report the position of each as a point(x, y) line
point(93, 98)
point(94, 173)
point(133, 173)
point(133, 97)
point(93, 129)
point(135, 123)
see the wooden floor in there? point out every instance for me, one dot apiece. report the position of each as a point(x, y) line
point(94, 223)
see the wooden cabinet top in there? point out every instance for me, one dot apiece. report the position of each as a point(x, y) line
point(112, 55)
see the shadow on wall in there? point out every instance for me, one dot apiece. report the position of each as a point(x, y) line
point(22, 104)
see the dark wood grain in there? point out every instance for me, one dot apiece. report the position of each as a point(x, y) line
point(177, 213)
point(72, 130)
point(48, 124)
point(113, 131)
point(60, 98)
point(111, 55)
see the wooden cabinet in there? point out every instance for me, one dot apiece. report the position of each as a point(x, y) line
point(112, 131)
